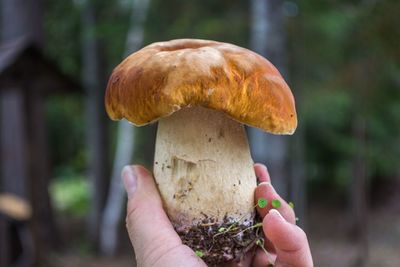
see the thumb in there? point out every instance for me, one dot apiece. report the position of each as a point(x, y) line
point(149, 228)
point(289, 240)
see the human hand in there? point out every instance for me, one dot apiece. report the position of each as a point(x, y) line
point(152, 235)
point(285, 242)
point(157, 244)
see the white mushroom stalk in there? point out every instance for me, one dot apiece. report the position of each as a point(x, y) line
point(203, 167)
point(205, 175)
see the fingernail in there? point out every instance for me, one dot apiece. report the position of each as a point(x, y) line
point(130, 181)
point(262, 166)
point(276, 213)
point(265, 183)
point(265, 167)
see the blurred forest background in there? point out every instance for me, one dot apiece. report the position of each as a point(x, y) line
point(61, 201)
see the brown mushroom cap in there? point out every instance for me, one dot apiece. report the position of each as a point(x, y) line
point(164, 77)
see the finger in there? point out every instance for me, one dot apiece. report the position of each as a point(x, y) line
point(261, 259)
point(267, 191)
point(290, 241)
point(261, 172)
point(148, 225)
point(246, 261)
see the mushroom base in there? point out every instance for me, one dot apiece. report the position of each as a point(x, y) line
point(217, 247)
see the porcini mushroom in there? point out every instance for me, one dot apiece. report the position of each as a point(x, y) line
point(202, 92)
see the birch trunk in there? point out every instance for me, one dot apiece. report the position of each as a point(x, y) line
point(125, 144)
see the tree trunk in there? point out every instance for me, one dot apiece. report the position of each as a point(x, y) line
point(95, 120)
point(116, 197)
point(125, 144)
point(358, 215)
point(298, 183)
point(268, 39)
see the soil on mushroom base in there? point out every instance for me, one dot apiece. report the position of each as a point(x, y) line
point(216, 246)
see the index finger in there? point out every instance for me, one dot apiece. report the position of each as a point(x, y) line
point(266, 190)
point(261, 173)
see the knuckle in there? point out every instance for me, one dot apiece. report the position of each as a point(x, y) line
point(302, 236)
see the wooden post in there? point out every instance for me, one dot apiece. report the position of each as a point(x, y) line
point(43, 220)
point(13, 142)
point(13, 160)
point(4, 242)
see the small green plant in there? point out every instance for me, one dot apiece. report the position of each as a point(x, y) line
point(199, 253)
point(262, 202)
point(224, 230)
point(276, 203)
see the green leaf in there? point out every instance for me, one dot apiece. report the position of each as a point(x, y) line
point(199, 253)
point(276, 203)
point(222, 229)
point(262, 202)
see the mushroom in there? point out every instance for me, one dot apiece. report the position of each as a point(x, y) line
point(15, 207)
point(202, 92)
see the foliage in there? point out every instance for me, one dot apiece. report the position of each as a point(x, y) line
point(70, 195)
point(61, 23)
point(343, 60)
point(66, 133)
point(221, 20)
point(346, 61)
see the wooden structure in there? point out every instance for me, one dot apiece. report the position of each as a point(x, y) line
point(15, 215)
point(27, 76)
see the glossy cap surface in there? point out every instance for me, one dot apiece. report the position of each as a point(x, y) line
point(164, 77)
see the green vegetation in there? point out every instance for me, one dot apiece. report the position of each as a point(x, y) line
point(276, 204)
point(71, 195)
point(262, 202)
point(344, 59)
point(199, 253)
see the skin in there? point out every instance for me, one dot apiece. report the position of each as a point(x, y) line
point(157, 244)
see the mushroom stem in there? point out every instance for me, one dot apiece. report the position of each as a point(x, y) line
point(204, 171)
